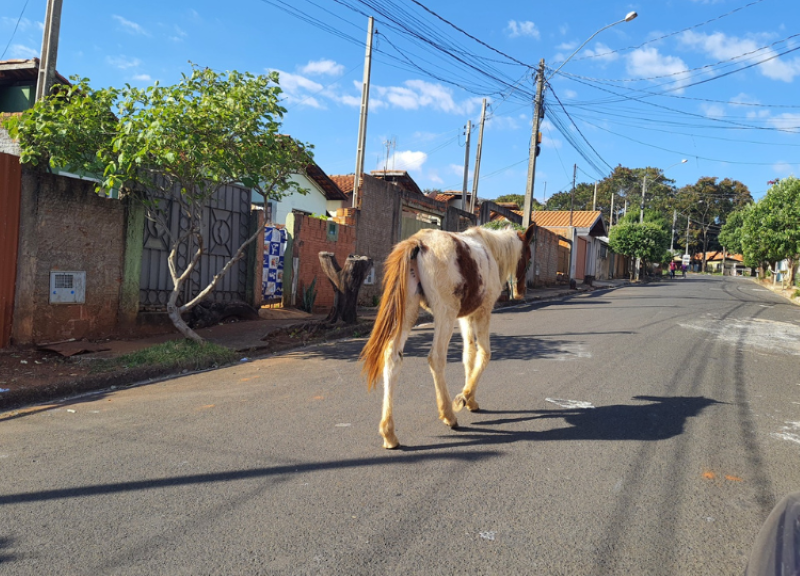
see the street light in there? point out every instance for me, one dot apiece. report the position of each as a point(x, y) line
point(537, 118)
point(641, 207)
point(628, 17)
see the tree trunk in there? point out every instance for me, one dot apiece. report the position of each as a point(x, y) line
point(346, 284)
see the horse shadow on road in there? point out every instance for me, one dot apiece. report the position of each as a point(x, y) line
point(663, 417)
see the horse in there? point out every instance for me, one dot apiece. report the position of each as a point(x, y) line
point(453, 276)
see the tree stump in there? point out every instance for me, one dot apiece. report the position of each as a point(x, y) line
point(346, 283)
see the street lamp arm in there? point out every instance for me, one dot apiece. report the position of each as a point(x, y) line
point(630, 16)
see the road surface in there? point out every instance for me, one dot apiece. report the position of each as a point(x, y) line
point(644, 430)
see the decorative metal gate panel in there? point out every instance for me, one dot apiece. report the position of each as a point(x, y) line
point(225, 226)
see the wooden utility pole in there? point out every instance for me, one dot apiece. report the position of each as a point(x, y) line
point(466, 168)
point(477, 173)
point(537, 118)
point(362, 125)
point(47, 62)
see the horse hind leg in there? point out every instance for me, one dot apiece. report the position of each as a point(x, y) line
point(468, 358)
point(393, 358)
point(477, 326)
point(437, 360)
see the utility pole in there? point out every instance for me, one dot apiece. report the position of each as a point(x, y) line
point(47, 63)
point(477, 173)
point(362, 125)
point(537, 118)
point(641, 207)
point(466, 169)
point(611, 214)
point(572, 194)
point(687, 236)
point(594, 198)
point(672, 238)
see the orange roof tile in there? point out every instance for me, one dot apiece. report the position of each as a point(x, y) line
point(344, 182)
point(560, 218)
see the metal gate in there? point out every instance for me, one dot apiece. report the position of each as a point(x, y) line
point(225, 227)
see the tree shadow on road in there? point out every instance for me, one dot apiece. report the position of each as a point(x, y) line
point(662, 418)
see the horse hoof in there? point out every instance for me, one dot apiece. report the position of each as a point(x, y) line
point(390, 447)
point(459, 402)
point(475, 408)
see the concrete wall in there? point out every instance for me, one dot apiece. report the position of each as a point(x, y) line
point(377, 230)
point(65, 226)
point(545, 258)
point(7, 144)
point(310, 237)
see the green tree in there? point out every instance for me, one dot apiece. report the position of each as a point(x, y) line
point(731, 235)
point(708, 203)
point(648, 240)
point(519, 200)
point(772, 226)
point(183, 142)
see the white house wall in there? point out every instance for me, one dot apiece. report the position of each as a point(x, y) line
point(314, 202)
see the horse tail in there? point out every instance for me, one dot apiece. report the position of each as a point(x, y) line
point(391, 315)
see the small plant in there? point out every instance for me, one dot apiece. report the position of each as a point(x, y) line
point(376, 300)
point(309, 296)
point(183, 353)
point(796, 294)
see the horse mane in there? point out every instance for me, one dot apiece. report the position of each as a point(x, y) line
point(504, 246)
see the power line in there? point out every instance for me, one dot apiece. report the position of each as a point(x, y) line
point(13, 33)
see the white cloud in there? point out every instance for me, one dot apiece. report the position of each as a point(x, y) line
point(326, 67)
point(408, 160)
point(457, 169)
point(567, 46)
point(123, 62)
point(783, 168)
point(130, 26)
point(23, 26)
point(786, 121)
point(502, 123)
point(724, 47)
point(293, 83)
point(601, 53)
point(526, 28)
point(713, 110)
point(22, 51)
point(142, 77)
point(415, 94)
point(179, 35)
point(570, 94)
point(648, 62)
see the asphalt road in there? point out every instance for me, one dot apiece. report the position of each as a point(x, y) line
point(644, 430)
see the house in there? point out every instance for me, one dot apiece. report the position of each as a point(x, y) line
point(585, 229)
point(733, 264)
point(418, 210)
point(324, 197)
point(18, 79)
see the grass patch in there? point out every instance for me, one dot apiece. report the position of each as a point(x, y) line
point(179, 354)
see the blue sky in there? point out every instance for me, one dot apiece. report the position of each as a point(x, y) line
point(715, 81)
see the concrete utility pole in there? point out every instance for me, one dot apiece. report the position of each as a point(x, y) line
point(362, 125)
point(466, 168)
point(611, 214)
point(47, 63)
point(537, 118)
point(477, 173)
point(594, 198)
point(672, 238)
point(572, 195)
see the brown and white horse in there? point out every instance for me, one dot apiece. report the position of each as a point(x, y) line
point(453, 276)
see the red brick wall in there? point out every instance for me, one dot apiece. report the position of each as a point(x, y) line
point(311, 238)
